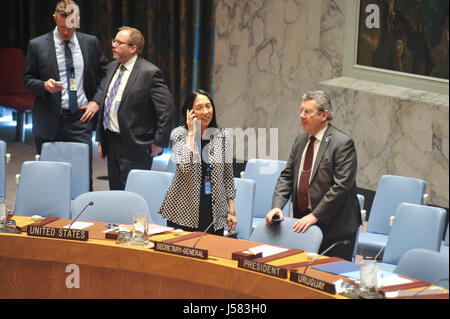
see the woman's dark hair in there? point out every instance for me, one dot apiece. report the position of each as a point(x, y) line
point(189, 103)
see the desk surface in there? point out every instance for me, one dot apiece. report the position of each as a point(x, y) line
point(35, 267)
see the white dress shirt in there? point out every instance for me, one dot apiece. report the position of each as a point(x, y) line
point(78, 63)
point(115, 105)
point(317, 141)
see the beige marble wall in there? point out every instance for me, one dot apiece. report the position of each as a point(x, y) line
point(269, 52)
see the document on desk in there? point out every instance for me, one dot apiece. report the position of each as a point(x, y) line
point(388, 278)
point(266, 250)
point(79, 225)
point(153, 230)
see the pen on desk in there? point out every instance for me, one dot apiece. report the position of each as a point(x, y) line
point(251, 252)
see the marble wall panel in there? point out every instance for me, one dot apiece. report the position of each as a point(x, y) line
point(270, 52)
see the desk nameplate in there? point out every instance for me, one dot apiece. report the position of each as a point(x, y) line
point(263, 268)
point(58, 233)
point(180, 250)
point(312, 282)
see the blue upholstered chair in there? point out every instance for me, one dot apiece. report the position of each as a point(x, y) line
point(109, 206)
point(244, 202)
point(391, 191)
point(265, 173)
point(44, 189)
point(361, 200)
point(444, 248)
point(77, 154)
point(415, 226)
point(2, 169)
point(152, 186)
point(424, 264)
point(282, 234)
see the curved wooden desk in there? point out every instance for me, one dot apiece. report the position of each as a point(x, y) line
point(34, 267)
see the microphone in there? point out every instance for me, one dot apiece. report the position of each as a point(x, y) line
point(91, 203)
point(342, 242)
point(378, 254)
point(200, 237)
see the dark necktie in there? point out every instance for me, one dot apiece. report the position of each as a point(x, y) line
point(111, 96)
point(70, 73)
point(303, 188)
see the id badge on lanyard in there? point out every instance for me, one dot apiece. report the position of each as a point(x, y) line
point(207, 183)
point(73, 81)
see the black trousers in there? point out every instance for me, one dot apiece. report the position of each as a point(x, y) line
point(120, 163)
point(71, 129)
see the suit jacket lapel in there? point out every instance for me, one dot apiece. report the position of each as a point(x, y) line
point(134, 74)
point(300, 149)
point(109, 75)
point(51, 49)
point(84, 53)
point(323, 146)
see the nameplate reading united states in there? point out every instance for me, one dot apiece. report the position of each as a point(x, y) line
point(262, 268)
point(181, 250)
point(58, 233)
point(312, 282)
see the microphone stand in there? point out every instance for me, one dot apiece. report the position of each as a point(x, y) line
point(343, 242)
point(91, 203)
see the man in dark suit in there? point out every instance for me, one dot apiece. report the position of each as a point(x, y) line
point(137, 112)
point(64, 69)
point(321, 177)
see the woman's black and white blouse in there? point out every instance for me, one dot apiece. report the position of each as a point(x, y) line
point(182, 200)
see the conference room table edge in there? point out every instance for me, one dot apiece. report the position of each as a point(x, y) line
point(37, 267)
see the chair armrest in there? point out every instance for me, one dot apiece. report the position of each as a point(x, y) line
point(391, 220)
point(232, 235)
point(363, 215)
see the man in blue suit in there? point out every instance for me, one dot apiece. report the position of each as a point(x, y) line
point(65, 69)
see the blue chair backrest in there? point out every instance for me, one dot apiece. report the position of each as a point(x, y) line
point(391, 191)
point(171, 165)
point(415, 226)
point(265, 173)
point(2, 169)
point(282, 234)
point(361, 200)
point(109, 206)
point(244, 202)
point(424, 264)
point(74, 153)
point(44, 189)
point(152, 186)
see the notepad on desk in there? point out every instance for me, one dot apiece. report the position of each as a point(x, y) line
point(79, 225)
point(266, 250)
point(338, 268)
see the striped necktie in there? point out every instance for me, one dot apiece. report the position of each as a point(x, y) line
point(112, 94)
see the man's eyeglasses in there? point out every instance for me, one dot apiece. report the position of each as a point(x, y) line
point(119, 42)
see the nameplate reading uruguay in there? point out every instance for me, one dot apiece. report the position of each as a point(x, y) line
point(262, 268)
point(58, 233)
point(181, 250)
point(312, 282)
